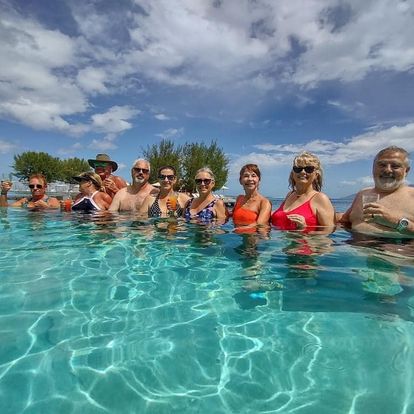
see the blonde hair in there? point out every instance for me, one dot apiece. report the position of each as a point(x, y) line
point(206, 170)
point(95, 179)
point(308, 158)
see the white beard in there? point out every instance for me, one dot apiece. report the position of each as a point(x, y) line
point(388, 183)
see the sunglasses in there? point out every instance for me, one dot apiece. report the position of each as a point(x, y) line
point(169, 177)
point(37, 186)
point(205, 181)
point(143, 170)
point(308, 169)
point(101, 164)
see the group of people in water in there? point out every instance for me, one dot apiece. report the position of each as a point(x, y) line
point(387, 209)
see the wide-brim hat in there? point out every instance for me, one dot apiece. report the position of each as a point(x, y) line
point(103, 158)
point(89, 176)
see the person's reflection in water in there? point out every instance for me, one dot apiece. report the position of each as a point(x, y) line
point(254, 283)
point(383, 279)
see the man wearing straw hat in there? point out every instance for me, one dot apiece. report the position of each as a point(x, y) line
point(104, 167)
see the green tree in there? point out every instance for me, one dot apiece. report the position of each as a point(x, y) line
point(199, 155)
point(53, 168)
point(164, 153)
point(71, 167)
point(187, 159)
point(31, 162)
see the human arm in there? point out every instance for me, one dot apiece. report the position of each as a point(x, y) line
point(116, 202)
point(220, 210)
point(264, 212)
point(114, 183)
point(325, 211)
point(103, 200)
point(5, 187)
point(143, 210)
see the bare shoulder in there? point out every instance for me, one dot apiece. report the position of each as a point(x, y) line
point(265, 201)
point(183, 198)
point(153, 190)
point(322, 198)
point(105, 197)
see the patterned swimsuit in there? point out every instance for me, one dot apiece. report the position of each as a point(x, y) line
point(206, 214)
point(155, 211)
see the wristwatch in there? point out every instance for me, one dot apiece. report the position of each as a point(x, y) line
point(402, 224)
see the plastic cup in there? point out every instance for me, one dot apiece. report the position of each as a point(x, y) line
point(369, 198)
point(67, 204)
point(172, 201)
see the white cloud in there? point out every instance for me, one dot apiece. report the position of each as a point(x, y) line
point(162, 117)
point(171, 133)
point(92, 80)
point(115, 120)
point(6, 146)
point(360, 147)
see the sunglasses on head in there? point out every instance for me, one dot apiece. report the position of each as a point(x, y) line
point(38, 186)
point(205, 181)
point(169, 177)
point(143, 170)
point(309, 169)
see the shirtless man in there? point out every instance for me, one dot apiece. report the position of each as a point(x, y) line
point(38, 200)
point(104, 167)
point(393, 214)
point(132, 197)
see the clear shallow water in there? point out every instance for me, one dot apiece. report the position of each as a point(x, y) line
point(129, 317)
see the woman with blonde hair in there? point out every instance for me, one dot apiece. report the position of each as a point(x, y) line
point(305, 207)
point(92, 195)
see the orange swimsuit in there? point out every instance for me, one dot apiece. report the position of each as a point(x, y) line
point(243, 215)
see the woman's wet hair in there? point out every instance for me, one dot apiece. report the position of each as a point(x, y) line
point(250, 167)
point(94, 178)
point(307, 158)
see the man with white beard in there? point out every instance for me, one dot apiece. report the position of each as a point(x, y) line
point(392, 212)
point(131, 197)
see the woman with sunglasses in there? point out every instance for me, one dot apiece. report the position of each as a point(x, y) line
point(205, 207)
point(92, 195)
point(37, 201)
point(305, 207)
point(167, 202)
point(251, 208)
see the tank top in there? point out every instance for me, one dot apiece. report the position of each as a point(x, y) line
point(280, 220)
point(86, 203)
point(242, 215)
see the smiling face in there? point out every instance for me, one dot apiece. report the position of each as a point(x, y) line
point(167, 179)
point(103, 169)
point(140, 172)
point(389, 171)
point(204, 182)
point(306, 169)
point(249, 179)
point(37, 187)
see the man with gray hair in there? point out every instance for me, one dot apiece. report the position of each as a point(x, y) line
point(131, 197)
point(387, 209)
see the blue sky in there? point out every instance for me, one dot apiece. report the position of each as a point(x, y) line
point(266, 79)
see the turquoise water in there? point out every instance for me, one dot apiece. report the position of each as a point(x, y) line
point(101, 316)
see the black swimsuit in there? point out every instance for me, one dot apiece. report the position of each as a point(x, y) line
point(155, 211)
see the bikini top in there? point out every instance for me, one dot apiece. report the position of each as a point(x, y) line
point(280, 220)
point(206, 214)
point(243, 215)
point(86, 203)
point(155, 211)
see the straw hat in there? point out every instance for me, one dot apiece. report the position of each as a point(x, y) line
point(103, 158)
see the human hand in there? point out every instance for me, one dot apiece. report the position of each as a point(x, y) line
point(298, 220)
point(109, 184)
point(377, 213)
point(6, 186)
point(172, 203)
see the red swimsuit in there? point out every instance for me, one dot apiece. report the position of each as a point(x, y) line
point(280, 220)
